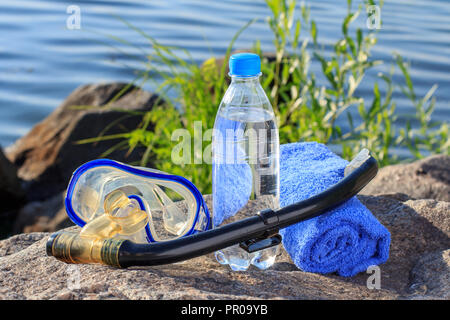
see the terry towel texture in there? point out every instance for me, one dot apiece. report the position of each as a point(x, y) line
point(347, 239)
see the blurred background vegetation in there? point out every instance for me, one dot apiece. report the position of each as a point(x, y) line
point(306, 111)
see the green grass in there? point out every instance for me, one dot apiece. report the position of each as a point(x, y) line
point(305, 109)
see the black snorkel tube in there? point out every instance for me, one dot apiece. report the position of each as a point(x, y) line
point(252, 234)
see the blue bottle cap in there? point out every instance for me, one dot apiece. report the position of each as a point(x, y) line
point(245, 65)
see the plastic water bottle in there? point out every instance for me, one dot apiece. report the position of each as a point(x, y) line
point(245, 158)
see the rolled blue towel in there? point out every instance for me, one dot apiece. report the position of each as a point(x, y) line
point(347, 239)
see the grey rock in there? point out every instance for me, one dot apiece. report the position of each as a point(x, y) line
point(418, 227)
point(431, 275)
point(47, 156)
point(11, 193)
point(424, 179)
point(42, 216)
point(30, 274)
point(19, 242)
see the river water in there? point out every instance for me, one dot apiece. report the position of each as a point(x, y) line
point(42, 61)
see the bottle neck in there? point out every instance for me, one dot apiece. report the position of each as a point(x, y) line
point(240, 79)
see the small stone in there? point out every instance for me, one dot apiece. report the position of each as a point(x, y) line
point(66, 295)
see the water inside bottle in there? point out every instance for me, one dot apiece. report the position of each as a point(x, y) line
point(245, 175)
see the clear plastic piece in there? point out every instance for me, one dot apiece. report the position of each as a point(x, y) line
point(174, 217)
point(360, 158)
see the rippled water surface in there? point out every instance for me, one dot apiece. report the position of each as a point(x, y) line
point(41, 61)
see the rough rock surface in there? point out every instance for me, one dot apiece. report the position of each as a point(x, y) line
point(431, 275)
point(19, 242)
point(419, 249)
point(425, 179)
point(417, 227)
point(47, 156)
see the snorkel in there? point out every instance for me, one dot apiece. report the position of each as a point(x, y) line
point(110, 242)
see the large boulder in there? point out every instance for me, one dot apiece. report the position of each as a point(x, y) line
point(424, 179)
point(38, 216)
point(47, 156)
point(420, 230)
point(417, 227)
point(11, 193)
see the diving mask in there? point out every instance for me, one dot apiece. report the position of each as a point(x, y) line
point(109, 199)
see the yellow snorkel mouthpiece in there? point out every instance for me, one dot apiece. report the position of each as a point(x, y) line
point(99, 240)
